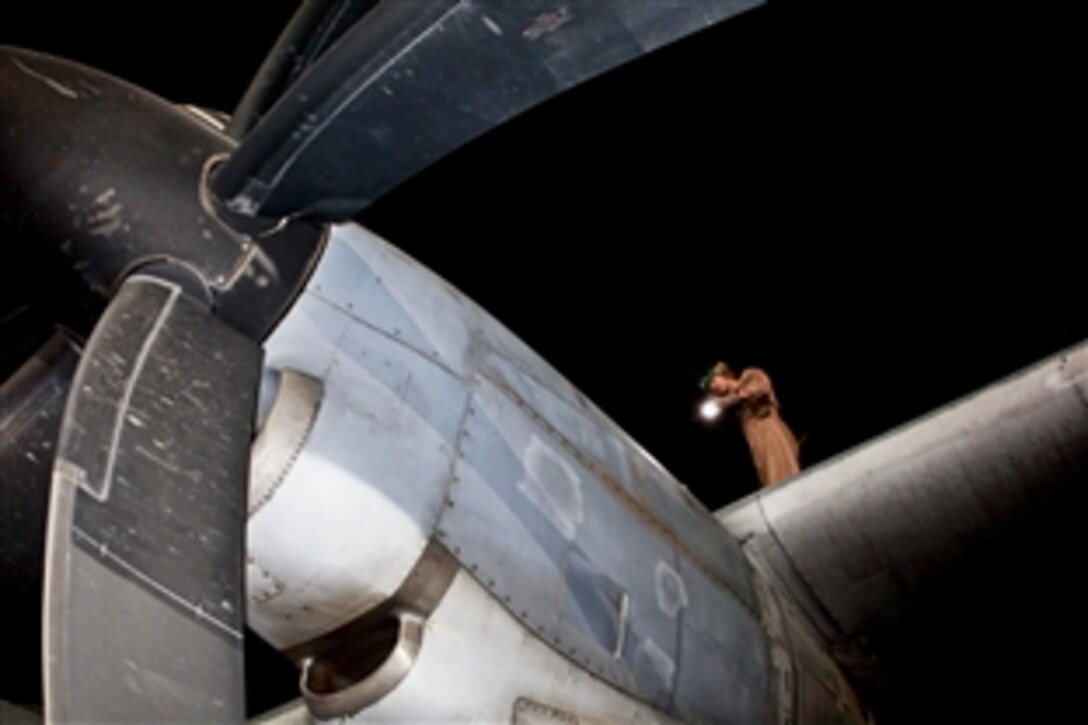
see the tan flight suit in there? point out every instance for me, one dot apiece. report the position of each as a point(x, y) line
point(774, 449)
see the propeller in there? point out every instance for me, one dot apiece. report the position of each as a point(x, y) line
point(144, 588)
point(315, 27)
point(31, 405)
point(416, 79)
point(173, 247)
point(140, 444)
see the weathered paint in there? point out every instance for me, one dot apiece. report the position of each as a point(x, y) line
point(437, 422)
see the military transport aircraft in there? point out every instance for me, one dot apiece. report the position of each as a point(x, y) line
point(436, 524)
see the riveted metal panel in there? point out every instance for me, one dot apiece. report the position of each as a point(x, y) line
point(366, 489)
point(413, 383)
point(364, 494)
point(634, 478)
point(870, 529)
point(724, 659)
point(568, 523)
point(477, 662)
point(701, 540)
point(503, 345)
point(859, 541)
point(307, 338)
point(377, 285)
point(563, 555)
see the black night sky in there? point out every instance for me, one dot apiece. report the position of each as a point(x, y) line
point(873, 201)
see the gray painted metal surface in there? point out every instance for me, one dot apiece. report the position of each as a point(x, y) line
point(537, 531)
point(724, 662)
point(347, 670)
point(477, 662)
point(855, 540)
point(365, 491)
point(619, 464)
point(441, 423)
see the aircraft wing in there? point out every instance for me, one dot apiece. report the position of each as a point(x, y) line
point(946, 517)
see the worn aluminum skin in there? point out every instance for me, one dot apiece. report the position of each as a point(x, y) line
point(477, 664)
point(436, 424)
point(854, 542)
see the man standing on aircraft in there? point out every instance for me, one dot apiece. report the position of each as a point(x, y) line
point(774, 448)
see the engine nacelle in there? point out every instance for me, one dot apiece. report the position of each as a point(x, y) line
point(433, 507)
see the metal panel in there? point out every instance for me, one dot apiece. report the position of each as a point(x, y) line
point(859, 538)
point(477, 662)
point(363, 495)
point(724, 661)
point(307, 338)
point(619, 463)
point(867, 530)
point(352, 667)
point(574, 530)
point(504, 345)
point(419, 391)
point(365, 492)
point(515, 547)
point(558, 549)
point(374, 283)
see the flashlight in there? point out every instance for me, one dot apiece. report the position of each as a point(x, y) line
point(710, 409)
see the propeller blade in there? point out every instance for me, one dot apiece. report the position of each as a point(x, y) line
point(314, 28)
point(145, 541)
point(31, 408)
point(415, 79)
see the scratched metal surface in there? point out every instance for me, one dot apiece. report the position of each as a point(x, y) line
point(724, 664)
point(618, 463)
point(146, 518)
point(362, 496)
point(531, 524)
point(397, 104)
point(454, 427)
point(470, 640)
point(112, 217)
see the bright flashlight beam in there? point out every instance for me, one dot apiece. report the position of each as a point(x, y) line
point(710, 409)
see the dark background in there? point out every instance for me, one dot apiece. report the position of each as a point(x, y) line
point(876, 202)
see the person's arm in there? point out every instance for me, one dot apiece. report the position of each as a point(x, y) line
point(728, 400)
point(754, 384)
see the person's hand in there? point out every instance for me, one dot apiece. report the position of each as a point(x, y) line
point(727, 401)
point(722, 386)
